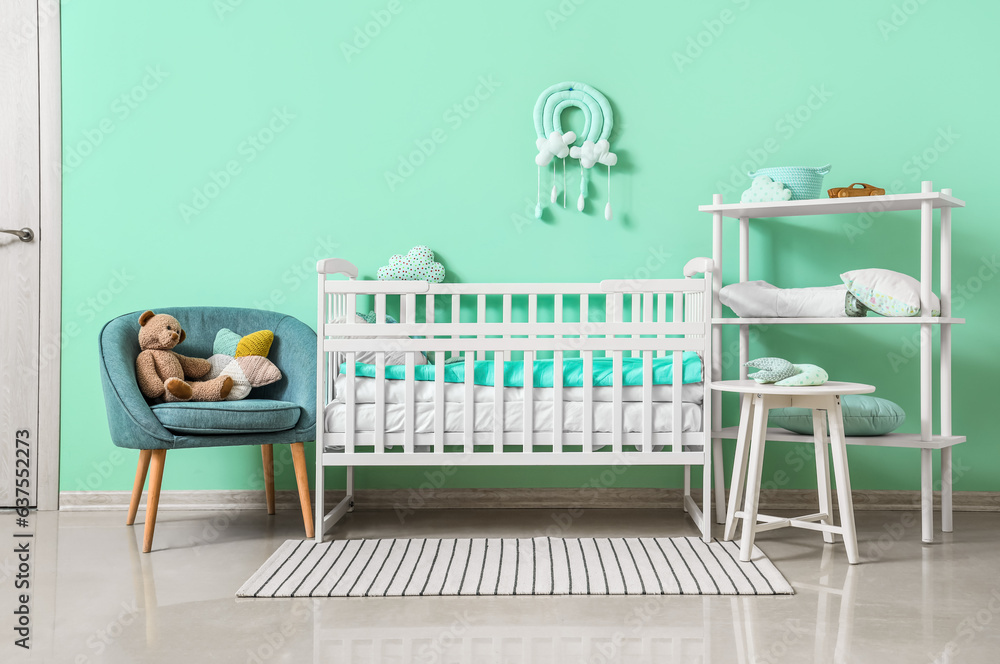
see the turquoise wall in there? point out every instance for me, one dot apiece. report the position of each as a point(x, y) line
point(215, 150)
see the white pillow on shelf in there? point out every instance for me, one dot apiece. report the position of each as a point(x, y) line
point(888, 293)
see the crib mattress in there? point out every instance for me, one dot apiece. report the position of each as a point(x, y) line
point(513, 418)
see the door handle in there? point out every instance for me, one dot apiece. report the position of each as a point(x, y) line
point(24, 235)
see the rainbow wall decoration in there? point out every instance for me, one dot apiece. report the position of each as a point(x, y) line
point(553, 143)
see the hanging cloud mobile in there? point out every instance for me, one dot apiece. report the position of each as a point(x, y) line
point(553, 143)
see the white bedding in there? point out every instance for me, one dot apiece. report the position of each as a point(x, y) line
point(454, 416)
point(423, 391)
point(751, 299)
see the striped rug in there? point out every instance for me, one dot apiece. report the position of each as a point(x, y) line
point(533, 566)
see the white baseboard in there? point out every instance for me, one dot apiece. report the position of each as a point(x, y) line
point(387, 499)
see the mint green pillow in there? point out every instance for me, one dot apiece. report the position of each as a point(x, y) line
point(864, 415)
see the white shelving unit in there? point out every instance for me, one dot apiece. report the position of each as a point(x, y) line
point(926, 202)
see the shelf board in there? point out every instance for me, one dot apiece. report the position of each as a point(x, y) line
point(863, 320)
point(890, 203)
point(911, 440)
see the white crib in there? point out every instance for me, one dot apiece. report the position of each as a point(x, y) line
point(374, 421)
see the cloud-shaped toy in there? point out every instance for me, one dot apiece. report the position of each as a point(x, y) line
point(417, 265)
point(765, 190)
point(594, 153)
point(556, 145)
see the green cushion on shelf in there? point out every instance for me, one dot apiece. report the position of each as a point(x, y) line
point(864, 415)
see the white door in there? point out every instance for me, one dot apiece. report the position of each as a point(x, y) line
point(19, 258)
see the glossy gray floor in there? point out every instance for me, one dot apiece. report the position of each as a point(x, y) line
point(95, 598)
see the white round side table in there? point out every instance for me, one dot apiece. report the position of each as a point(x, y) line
point(823, 400)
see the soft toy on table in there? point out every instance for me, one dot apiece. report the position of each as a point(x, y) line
point(162, 373)
point(785, 374)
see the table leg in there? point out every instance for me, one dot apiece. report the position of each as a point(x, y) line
point(946, 482)
point(820, 441)
point(843, 474)
point(739, 466)
point(752, 499)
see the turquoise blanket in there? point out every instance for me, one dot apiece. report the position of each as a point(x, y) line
point(513, 372)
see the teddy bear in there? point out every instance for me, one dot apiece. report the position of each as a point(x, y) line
point(162, 373)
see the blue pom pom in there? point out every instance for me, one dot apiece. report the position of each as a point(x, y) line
point(538, 211)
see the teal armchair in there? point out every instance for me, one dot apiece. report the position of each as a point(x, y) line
point(281, 413)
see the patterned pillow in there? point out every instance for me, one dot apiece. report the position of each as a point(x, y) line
point(808, 374)
point(888, 293)
point(244, 359)
point(772, 369)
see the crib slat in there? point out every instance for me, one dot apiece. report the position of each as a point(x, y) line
point(408, 312)
point(616, 399)
point(636, 316)
point(588, 401)
point(481, 318)
point(647, 401)
point(498, 401)
point(584, 311)
point(662, 305)
point(677, 428)
point(678, 307)
point(647, 307)
point(349, 396)
point(380, 399)
point(439, 406)
point(528, 421)
point(470, 426)
point(456, 316)
point(408, 409)
point(557, 397)
point(379, 308)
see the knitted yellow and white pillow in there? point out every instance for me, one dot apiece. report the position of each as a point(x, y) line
point(244, 359)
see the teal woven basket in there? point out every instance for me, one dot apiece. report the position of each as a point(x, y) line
point(804, 182)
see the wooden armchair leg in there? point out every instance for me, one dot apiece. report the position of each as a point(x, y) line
point(267, 454)
point(302, 480)
point(140, 482)
point(153, 499)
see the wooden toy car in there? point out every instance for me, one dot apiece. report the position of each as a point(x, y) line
point(847, 192)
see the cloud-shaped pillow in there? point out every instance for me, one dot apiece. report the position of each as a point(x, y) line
point(417, 265)
point(591, 153)
point(556, 145)
point(765, 190)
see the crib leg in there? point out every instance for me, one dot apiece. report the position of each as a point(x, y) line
point(350, 488)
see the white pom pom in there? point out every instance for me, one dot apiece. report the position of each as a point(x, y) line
point(555, 196)
point(579, 203)
point(607, 211)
